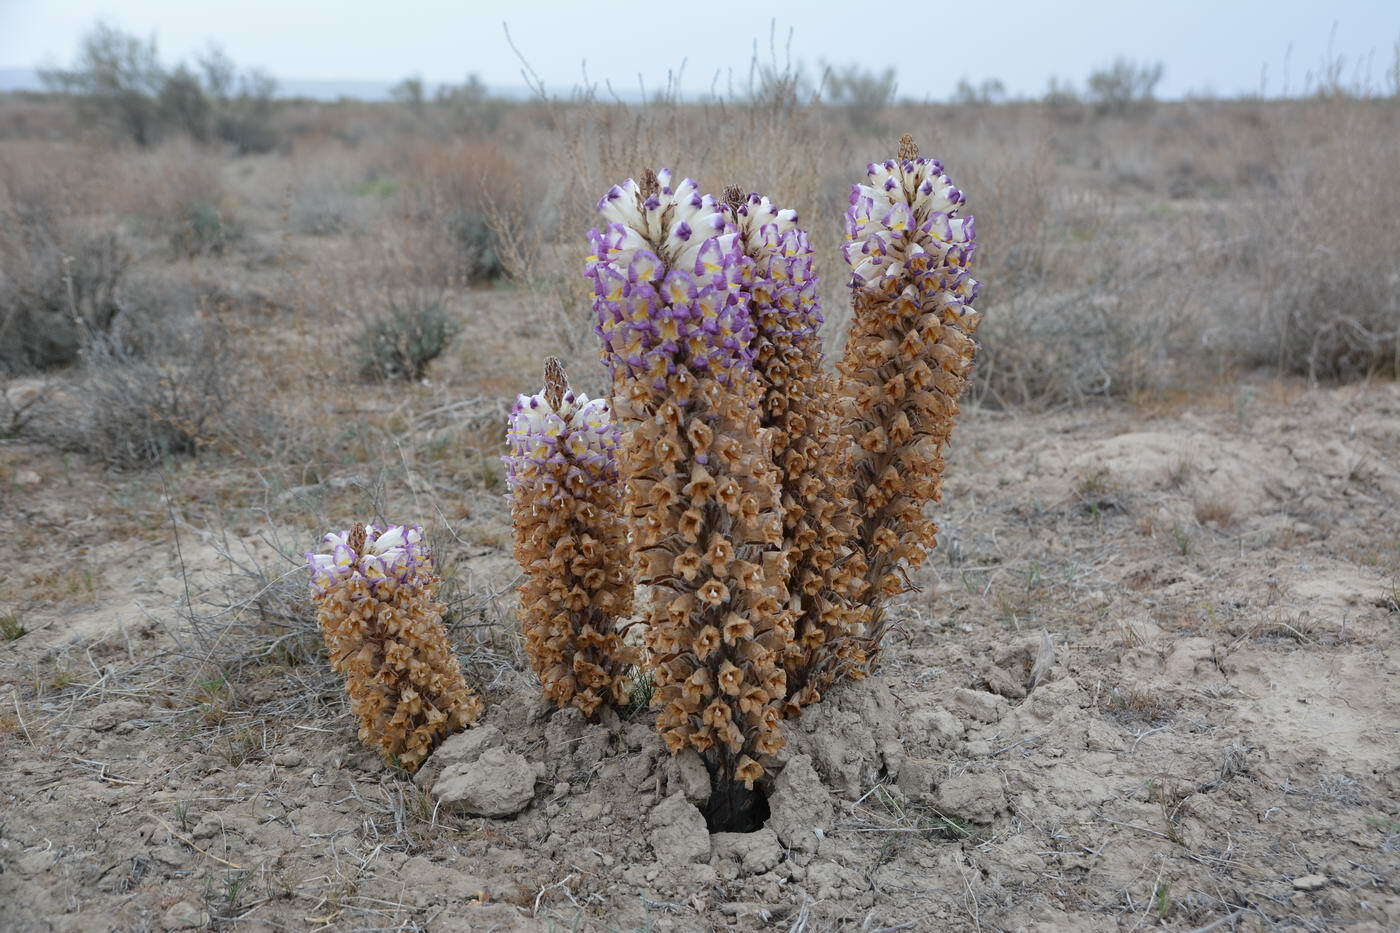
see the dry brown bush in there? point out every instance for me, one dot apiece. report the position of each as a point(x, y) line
point(447, 195)
point(1316, 249)
point(1120, 254)
point(61, 266)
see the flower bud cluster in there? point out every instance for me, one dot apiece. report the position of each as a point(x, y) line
point(569, 538)
point(801, 406)
point(701, 493)
point(908, 357)
point(373, 589)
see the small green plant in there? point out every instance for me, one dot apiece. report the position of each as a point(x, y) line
point(204, 228)
point(242, 747)
point(400, 344)
point(476, 243)
point(639, 690)
point(1162, 900)
point(223, 901)
point(1097, 492)
point(10, 626)
point(182, 815)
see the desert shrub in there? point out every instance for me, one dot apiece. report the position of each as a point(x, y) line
point(244, 119)
point(469, 108)
point(989, 91)
point(56, 285)
point(118, 82)
point(478, 249)
point(1124, 87)
point(1041, 349)
point(323, 210)
point(410, 93)
point(203, 228)
point(861, 94)
point(451, 194)
point(184, 106)
point(402, 342)
point(136, 404)
point(115, 82)
point(1324, 305)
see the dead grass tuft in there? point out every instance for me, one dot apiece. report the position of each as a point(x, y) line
point(1134, 706)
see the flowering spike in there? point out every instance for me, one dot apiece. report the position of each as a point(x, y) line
point(701, 492)
point(800, 404)
point(374, 600)
point(908, 358)
point(562, 469)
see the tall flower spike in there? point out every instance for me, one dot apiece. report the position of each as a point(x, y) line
point(373, 589)
point(800, 404)
point(701, 493)
point(561, 467)
point(908, 358)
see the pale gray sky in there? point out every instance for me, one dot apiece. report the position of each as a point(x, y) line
point(1218, 45)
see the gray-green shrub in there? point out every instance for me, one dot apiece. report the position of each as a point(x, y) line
point(402, 342)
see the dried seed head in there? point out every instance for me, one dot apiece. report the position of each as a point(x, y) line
point(556, 383)
point(734, 197)
point(356, 541)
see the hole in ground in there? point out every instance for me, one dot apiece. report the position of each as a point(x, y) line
point(733, 808)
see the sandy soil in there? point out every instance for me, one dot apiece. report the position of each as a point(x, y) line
point(1149, 681)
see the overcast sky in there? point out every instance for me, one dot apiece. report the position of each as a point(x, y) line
point(1217, 45)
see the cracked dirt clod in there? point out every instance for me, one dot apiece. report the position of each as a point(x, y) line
point(679, 835)
point(498, 783)
point(977, 798)
point(799, 805)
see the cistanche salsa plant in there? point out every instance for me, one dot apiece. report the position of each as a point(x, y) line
point(702, 496)
point(374, 593)
point(764, 508)
point(908, 359)
point(561, 466)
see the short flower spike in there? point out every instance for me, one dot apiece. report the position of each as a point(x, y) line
point(908, 358)
point(373, 589)
point(561, 466)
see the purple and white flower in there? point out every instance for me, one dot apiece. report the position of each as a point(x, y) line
point(551, 449)
point(903, 223)
point(667, 282)
point(389, 554)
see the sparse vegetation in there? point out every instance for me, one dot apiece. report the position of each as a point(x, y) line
point(1174, 466)
point(1124, 87)
point(10, 626)
point(173, 392)
point(118, 82)
point(58, 284)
